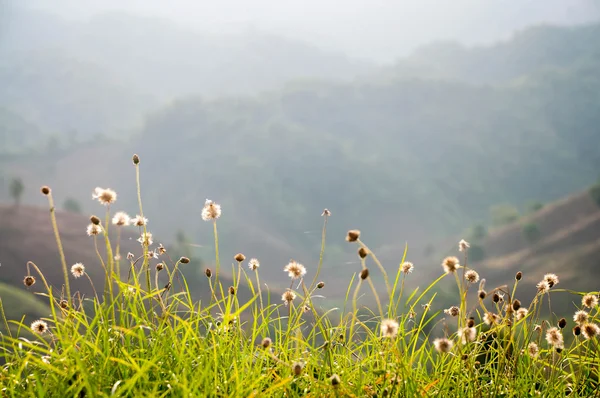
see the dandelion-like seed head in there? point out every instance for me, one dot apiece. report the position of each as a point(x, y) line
point(453, 311)
point(589, 300)
point(145, 239)
point(521, 313)
point(253, 264)
point(93, 230)
point(543, 287)
point(39, 327)
point(389, 328)
point(490, 318)
point(295, 270)
point(450, 264)
point(78, 269)
point(120, 219)
point(552, 279)
point(139, 221)
point(533, 350)
point(105, 196)
point(472, 276)
point(463, 245)
point(443, 345)
point(581, 317)
point(554, 337)
point(288, 296)
point(590, 330)
point(407, 267)
point(211, 210)
point(29, 281)
point(467, 334)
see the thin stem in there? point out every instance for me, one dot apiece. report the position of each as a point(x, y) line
point(60, 247)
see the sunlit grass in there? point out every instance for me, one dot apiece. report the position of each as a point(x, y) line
point(147, 338)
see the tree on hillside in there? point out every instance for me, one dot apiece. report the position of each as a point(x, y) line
point(16, 190)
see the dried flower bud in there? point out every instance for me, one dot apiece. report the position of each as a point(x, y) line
point(471, 322)
point(168, 286)
point(29, 281)
point(577, 330)
point(136, 159)
point(208, 273)
point(232, 290)
point(465, 357)
point(558, 350)
point(45, 190)
point(482, 294)
point(320, 285)
point(64, 304)
point(496, 298)
point(362, 252)
point(519, 275)
point(335, 380)
point(184, 260)
point(160, 266)
point(562, 323)
point(297, 368)
point(516, 305)
point(239, 257)
point(326, 213)
point(353, 235)
point(95, 220)
point(266, 343)
point(364, 274)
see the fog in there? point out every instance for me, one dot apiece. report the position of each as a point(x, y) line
point(378, 30)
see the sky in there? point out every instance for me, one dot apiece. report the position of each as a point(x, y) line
point(378, 30)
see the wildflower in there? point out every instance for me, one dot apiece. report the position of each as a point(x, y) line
point(518, 276)
point(95, 220)
point(521, 313)
point(145, 239)
point(105, 196)
point(239, 257)
point(463, 245)
point(467, 334)
point(543, 287)
point(454, 311)
point(295, 270)
point(78, 270)
point(253, 264)
point(389, 328)
point(211, 210)
point(184, 260)
point(152, 254)
point(45, 190)
point(29, 281)
point(482, 294)
point(93, 230)
point(288, 297)
point(160, 266)
point(161, 249)
point(297, 368)
point(364, 274)
point(472, 276)
point(335, 380)
point(450, 264)
point(362, 252)
point(208, 273)
point(562, 323)
point(537, 328)
point(589, 300)
point(39, 327)
point(326, 213)
point(590, 330)
point(305, 309)
point(554, 337)
point(533, 350)
point(64, 304)
point(232, 290)
point(46, 359)
point(576, 330)
point(135, 159)
point(407, 267)
point(443, 345)
point(552, 279)
point(320, 285)
point(471, 322)
point(121, 218)
point(581, 317)
point(266, 342)
point(139, 221)
point(130, 256)
point(353, 235)
point(490, 318)
point(516, 305)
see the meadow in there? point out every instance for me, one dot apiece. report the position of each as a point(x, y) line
point(141, 336)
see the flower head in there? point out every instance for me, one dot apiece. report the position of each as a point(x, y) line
point(453, 311)
point(589, 300)
point(443, 345)
point(326, 213)
point(533, 350)
point(121, 218)
point(407, 267)
point(521, 313)
point(288, 297)
point(463, 245)
point(211, 210)
point(253, 264)
point(543, 287)
point(29, 281)
point(472, 276)
point(39, 327)
point(590, 330)
point(78, 269)
point(552, 279)
point(295, 270)
point(93, 230)
point(389, 328)
point(450, 264)
point(554, 337)
point(581, 317)
point(467, 334)
point(490, 318)
point(139, 221)
point(105, 196)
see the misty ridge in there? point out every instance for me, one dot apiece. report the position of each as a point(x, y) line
point(418, 150)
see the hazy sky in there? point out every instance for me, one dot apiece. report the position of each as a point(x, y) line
point(376, 29)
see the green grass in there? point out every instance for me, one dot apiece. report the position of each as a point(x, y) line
point(141, 337)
